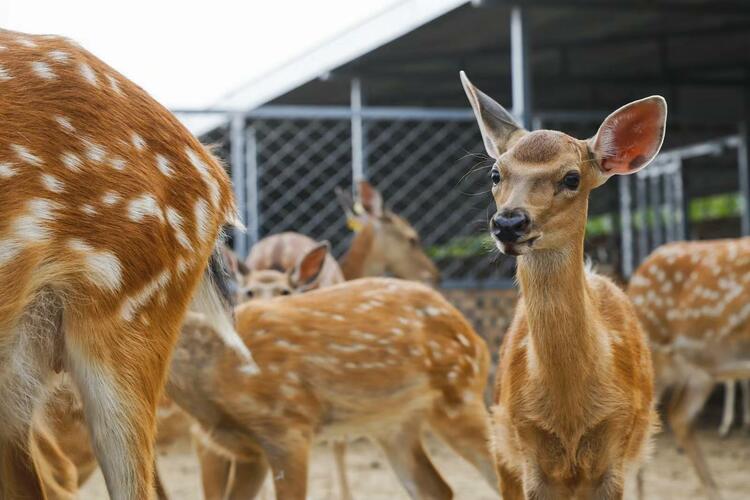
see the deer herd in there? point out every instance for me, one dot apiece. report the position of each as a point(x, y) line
point(126, 322)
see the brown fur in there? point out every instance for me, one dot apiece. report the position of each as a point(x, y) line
point(540, 146)
point(691, 298)
point(377, 357)
point(60, 238)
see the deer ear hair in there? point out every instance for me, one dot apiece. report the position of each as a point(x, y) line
point(631, 137)
point(370, 198)
point(498, 127)
point(308, 269)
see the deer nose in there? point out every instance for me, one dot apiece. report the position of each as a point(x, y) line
point(509, 225)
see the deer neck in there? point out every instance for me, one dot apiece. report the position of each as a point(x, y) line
point(354, 262)
point(561, 318)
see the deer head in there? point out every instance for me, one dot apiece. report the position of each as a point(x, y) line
point(269, 283)
point(542, 179)
point(395, 246)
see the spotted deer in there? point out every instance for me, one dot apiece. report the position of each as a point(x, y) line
point(111, 214)
point(573, 408)
point(692, 299)
point(375, 357)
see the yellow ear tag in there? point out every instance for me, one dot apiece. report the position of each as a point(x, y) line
point(353, 224)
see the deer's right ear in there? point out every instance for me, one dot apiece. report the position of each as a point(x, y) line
point(496, 124)
point(309, 267)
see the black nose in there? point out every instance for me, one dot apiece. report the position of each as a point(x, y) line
point(509, 225)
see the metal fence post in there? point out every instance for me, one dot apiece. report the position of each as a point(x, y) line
point(252, 211)
point(626, 227)
point(237, 158)
point(358, 148)
point(520, 70)
point(743, 166)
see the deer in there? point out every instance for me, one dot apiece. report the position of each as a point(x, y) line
point(383, 243)
point(573, 406)
point(376, 357)
point(691, 298)
point(112, 212)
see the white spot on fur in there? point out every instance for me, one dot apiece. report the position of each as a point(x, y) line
point(53, 183)
point(7, 170)
point(114, 85)
point(71, 161)
point(94, 152)
point(110, 198)
point(203, 170)
point(144, 205)
point(182, 266)
point(26, 42)
point(138, 142)
point(65, 123)
point(4, 74)
point(88, 209)
point(31, 226)
point(43, 70)
point(175, 220)
point(26, 155)
point(135, 302)
point(202, 221)
point(117, 163)
point(59, 56)
point(103, 267)
point(88, 74)
point(163, 165)
point(464, 341)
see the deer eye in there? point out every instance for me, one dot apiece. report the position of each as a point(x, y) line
point(572, 180)
point(495, 176)
point(249, 294)
point(286, 292)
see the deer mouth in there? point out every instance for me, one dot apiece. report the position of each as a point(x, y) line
point(516, 248)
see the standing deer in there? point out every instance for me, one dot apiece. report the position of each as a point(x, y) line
point(692, 299)
point(111, 212)
point(573, 399)
point(376, 357)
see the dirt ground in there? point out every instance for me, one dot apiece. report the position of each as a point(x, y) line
point(668, 477)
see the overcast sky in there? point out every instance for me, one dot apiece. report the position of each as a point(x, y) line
point(190, 53)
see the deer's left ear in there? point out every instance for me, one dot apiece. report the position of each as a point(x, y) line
point(631, 137)
point(305, 274)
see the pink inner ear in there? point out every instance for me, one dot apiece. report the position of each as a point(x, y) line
point(631, 138)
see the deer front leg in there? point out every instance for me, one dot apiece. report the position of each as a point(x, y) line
point(288, 455)
point(686, 404)
point(227, 479)
point(728, 416)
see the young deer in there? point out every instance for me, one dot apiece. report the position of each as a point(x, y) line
point(287, 263)
point(377, 357)
point(111, 211)
point(574, 408)
point(691, 298)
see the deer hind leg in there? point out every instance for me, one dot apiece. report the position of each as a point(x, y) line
point(288, 455)
point(229, 479)
point(59, 474)
point(686, 404)
point(728, 416)
point(119, 388)
point(28, 352)
point(467, 431)
point(409, 460)
point(339, 456)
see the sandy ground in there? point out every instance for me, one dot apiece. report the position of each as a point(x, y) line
point(668, 477)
